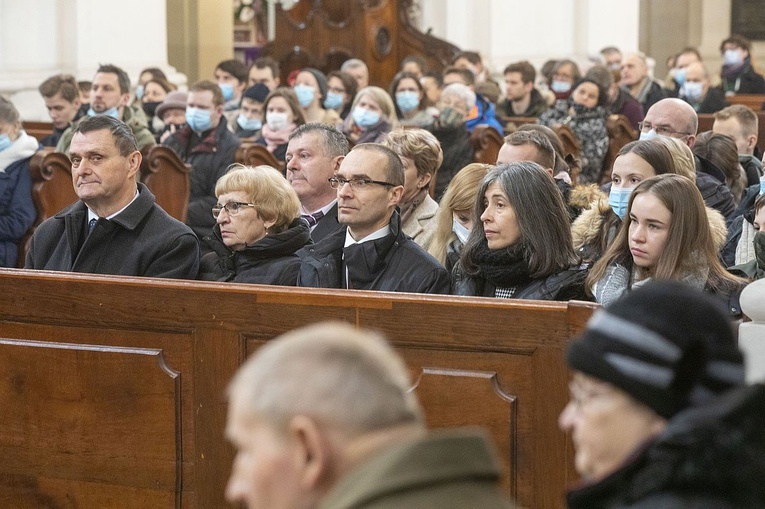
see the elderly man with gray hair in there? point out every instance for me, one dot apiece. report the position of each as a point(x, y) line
point(323, 417)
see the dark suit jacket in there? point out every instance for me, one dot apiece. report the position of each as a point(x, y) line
point(327, 225)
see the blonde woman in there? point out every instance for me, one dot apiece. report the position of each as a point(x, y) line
point(372, 116)
point(258, 229)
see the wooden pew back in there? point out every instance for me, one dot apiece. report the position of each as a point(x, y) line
point(707, 120)
point(620, 132)
point(38, 129)
point(115, 385)
point(486, 143)
point(754, 101)
point(255, 154)
point(167, 177)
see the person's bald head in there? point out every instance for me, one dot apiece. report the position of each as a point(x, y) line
point(674, 115)
point(634, 69)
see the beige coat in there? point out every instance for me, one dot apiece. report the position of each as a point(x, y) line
point(421, 225)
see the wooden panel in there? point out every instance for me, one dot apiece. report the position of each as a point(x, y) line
point(73, 416)
point(167, 177)
point(754, 101)
point(475, 361)
point(620, 132)
point(39, 130)
point(486, 143)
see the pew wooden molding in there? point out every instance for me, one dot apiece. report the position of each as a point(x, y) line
point(255, 154)
point(486, 143)
point(754, 101)
point(707, 120)
point(620, 132)
point(167, 177)
point(114, 392)
point(38, 129)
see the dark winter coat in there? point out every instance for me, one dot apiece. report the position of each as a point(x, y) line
point(458, 153)
point(142, 240)
point(17, 211)
point(394, 263)
point(209, 158)
point(537, 106)
point(710, 457)
point(269, 261)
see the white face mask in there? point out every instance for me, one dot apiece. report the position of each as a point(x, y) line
point(460, 231)
point(276, 120)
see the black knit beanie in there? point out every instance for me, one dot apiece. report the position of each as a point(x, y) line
point(665, 344)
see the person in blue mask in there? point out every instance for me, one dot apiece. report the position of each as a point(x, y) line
point(595, 229)
point(207, 145)
point(310, 87)
point(110, 95)
point(251, 112)
point(409, 101)
point(341, 91)
point(372, 116)
point(564, 75)
point(18, 211)
point(697, 92)
point(231, 77)
point(738, 75)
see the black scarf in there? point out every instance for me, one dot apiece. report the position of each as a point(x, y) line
point(503, 268)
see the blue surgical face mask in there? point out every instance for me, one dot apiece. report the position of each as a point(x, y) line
point(460, 231)
point(305, 94)
point(407, 100)
point(732, 57)
point(619, 200)
point(5, 142)
point(228, 91)
point(198, 119)
point(649, 135)
point(363, 117)
point(692, 90)
point(333, 100)
point(762, 185)
point(139, 92)
point(680, 76)
point(249, 124)
point(112, 112)
point(561, 87)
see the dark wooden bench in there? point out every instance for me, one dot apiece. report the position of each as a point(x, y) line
point(486, 142)
point(707, 120)
point(255, 154)
point(754, 101)
point(167, 177)
point(113, 387)
point(620, 132)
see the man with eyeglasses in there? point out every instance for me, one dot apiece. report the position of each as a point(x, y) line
point(115, 227)
point(676, 118)
point(371, 251)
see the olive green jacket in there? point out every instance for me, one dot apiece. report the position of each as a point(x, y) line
point(133, 116)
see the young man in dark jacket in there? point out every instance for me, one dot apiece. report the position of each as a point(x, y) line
point(371, 252)
point(209, 147)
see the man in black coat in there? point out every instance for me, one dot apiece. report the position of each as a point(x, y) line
point(697, 92)
point(115, 228)
point(370, 252)
point(314, 154)
point(209, 147)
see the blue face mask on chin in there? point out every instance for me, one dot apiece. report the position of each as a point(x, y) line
point(249, 124)
point(228, 91)
point(333, 100)
point(619, 200)
point(5, 142)
point(112, 112)
point(199, 120)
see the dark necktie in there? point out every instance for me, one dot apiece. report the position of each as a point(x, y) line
point(92, 225)
point(313, 219)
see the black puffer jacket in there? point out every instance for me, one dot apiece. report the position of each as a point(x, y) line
point(270, 261)
point(711, 457)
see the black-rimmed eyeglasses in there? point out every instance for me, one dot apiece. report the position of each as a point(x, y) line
point(357, 183)
point(232, 207)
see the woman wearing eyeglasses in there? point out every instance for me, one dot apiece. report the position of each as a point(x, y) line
point(258, 229)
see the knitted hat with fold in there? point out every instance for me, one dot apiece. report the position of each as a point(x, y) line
point(665, 344)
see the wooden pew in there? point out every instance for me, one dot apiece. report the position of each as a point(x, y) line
point(113, 387)
point(38, 129)
point(52, 190)
point(255, 154)
point(620, 132)
point(167, 177)
point(754, 101)
point(511, 124)
point(486, 143)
